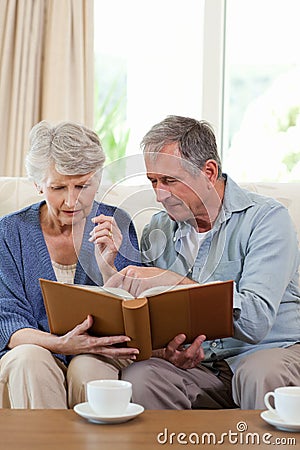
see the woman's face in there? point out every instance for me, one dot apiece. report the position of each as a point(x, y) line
point(69, 198)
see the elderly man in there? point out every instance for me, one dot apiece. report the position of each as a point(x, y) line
point(212, 229)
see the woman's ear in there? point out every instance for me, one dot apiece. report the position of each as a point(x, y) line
point(98, 178)
point(39, 189)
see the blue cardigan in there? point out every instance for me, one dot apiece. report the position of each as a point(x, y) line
point(24, 258)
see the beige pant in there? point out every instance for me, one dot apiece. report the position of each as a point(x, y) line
point(264, 371)
point(31, 377)
point(157, 384)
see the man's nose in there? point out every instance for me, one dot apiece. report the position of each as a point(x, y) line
point(162, 194)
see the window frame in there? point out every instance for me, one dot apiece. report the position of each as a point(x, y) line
point(213, 87)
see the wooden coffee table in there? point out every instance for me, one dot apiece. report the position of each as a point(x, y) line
point(64, 429)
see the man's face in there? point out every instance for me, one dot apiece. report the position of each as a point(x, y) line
point(185, 196)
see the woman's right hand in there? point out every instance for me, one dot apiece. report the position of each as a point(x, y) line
point(78, 341)
point(107, 239)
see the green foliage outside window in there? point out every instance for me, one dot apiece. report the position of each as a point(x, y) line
point(110, 122)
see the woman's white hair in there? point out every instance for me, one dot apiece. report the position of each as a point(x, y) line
point(71, 148)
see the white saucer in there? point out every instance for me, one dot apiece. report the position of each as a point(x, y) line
point(273, 419)
point(84, 410)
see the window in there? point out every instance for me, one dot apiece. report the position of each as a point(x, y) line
point(235, 63)
point(148, 58)
point(261, 128)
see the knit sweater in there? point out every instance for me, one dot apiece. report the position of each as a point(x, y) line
point(25, 258)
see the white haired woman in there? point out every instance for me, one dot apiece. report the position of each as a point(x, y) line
point(71, 238)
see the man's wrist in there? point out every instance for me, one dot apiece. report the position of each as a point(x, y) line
point(159, 353)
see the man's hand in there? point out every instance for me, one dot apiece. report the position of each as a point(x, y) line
point(135, 279)
point(184, 358)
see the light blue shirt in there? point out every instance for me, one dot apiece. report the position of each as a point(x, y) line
point(252, 242)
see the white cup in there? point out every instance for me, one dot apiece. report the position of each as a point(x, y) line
point(108, 397)
point(287, 403)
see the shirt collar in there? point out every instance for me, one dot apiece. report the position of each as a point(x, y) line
point(235, 199)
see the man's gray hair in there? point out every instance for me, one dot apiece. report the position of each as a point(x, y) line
point(196, 141)
point(71, 148)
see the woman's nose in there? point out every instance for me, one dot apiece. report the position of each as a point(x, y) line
point(70, 199)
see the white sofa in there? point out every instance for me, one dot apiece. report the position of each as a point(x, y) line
point(139, 200)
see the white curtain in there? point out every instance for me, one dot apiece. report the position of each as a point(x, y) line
point(46, 70)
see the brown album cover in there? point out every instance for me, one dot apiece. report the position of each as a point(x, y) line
point(152, 320)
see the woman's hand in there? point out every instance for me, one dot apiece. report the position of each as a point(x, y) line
point(107, 239)
point(135, 279)
point(78, 341)
point(180, 356)
point(75, 342)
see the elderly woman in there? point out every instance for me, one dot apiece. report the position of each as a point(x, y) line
point(71, 238)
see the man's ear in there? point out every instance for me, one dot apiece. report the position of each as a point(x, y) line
point(211, 170)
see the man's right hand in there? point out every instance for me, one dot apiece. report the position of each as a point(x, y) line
point(180, 356)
